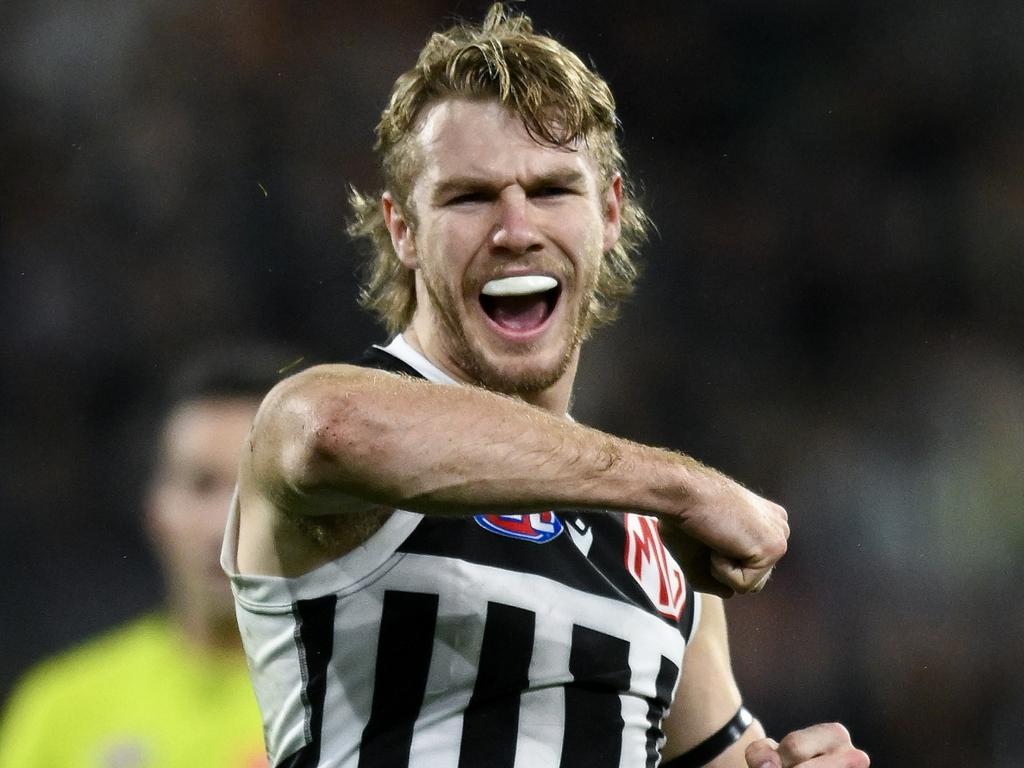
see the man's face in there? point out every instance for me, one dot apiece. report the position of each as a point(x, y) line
point(188, 503)
point(507, 244)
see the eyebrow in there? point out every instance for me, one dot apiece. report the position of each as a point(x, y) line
point(568, 177)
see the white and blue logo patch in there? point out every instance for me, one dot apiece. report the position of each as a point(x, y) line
point(539, 527)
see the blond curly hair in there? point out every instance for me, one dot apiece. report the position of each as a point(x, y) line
point(561, 102)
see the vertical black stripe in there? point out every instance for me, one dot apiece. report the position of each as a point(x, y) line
point(314, 639)
point(490, 725)
point(599, 664)
point(658, 706)
point(403, 660)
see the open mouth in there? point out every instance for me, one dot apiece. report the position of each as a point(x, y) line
point(521, 303)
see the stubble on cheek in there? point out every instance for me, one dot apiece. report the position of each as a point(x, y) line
point(452, 310)
point(470, 356)
point(445, 306)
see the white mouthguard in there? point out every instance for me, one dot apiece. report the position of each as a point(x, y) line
point(520, 285)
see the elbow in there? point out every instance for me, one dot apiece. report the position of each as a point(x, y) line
point(326, 443)
point(315, 425)
point(332, 436)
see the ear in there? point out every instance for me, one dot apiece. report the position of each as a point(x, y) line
point(612, 213)
point(401, 232)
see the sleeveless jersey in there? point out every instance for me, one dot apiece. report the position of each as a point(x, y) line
point(539, 640)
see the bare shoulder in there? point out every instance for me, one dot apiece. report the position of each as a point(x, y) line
point(318, 388)
point(315, 412)
point(290, 520)
point(302, 425)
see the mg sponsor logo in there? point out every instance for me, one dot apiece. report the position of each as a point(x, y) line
point(653, 567)
point(540, 527)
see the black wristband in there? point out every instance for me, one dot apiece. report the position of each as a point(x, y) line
point(716, 743)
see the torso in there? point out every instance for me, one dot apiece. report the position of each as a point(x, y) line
point(521, 641)
point(440, 642)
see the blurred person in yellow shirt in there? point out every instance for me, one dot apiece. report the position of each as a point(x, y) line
point(169, 689)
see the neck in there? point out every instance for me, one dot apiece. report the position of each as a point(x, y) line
point(555, 398)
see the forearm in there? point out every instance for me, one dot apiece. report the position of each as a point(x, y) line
point(431, 448)
point(342, 439)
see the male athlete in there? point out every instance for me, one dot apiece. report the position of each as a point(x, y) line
point(433, 564)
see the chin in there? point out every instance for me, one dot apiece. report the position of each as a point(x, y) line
point(523, 370)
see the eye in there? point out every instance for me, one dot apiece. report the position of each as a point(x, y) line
point(466, 198)
point(550, 191)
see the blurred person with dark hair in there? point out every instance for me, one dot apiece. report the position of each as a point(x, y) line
point(169, 689)
point(423, 572)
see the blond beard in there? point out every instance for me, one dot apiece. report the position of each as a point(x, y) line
point(471, 360)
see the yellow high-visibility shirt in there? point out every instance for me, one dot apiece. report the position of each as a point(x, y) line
point(137, 697)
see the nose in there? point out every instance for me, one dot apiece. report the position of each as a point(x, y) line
point(515, 231)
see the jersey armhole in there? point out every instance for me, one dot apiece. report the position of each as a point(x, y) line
point(697, 603)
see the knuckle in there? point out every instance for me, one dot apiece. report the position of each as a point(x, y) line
point(783, 547)
point(758, 751)
point(838, 732)
point(773, 551)
point(860, 759)
point(790, 743)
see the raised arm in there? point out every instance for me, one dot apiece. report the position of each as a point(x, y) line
point(337, 439)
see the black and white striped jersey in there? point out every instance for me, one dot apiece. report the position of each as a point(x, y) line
point(543, 640)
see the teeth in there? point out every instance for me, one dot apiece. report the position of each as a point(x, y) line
point(520, 285)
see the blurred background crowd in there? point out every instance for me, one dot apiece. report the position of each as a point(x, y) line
point(832, 309)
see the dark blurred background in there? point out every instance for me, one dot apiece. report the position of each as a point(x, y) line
point(832, 311)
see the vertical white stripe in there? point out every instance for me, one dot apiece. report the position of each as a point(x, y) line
point(454, 663)
point(542, 709)
point(634, 734)
point(644, 665)
point(698, 605)
point(350, 682)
